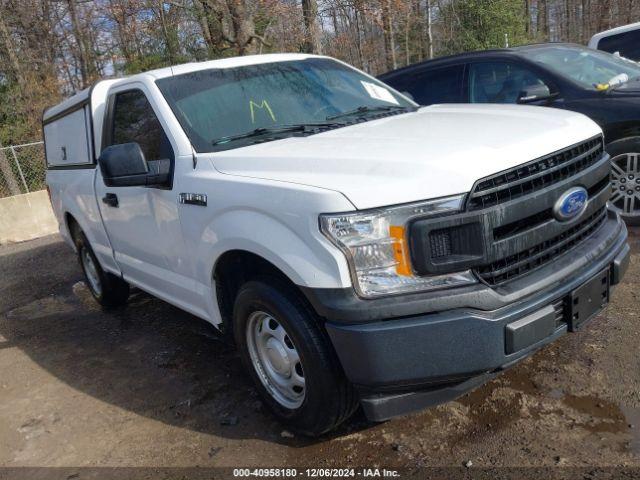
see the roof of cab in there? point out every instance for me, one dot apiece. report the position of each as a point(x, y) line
point(231, 62)
point(84, 95)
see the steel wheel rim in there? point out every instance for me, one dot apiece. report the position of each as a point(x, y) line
point(625, 184)
point(275, 360)
point(91, 272)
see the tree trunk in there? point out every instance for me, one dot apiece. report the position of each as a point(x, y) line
point(389, 41)
point(543, 20)
point(429, 24)
point(566, 21)
point(604, 15)
point(310, 14)
point(584, 22)
point(168, 32)
point(244, 28)
point(630, 15)
point(360, 24)
point(83, 63)
point(334, 21)
point(202, 14)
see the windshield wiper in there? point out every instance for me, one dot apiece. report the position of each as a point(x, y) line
point(366, 109)
point(302, 127)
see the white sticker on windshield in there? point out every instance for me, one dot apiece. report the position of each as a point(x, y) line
point(379, 93)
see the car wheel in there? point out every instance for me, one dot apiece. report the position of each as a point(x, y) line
point(290, 358)
point(108, 289)
point(625, 178)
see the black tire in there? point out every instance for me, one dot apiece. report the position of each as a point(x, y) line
point(619, 150)
point(112, 291)
point(329, 399)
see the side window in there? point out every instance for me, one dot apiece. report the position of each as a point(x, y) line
point(627, 43)
point(135, 121)
point(441, 85)
point(499, 82)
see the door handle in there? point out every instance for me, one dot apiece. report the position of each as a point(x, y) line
point(110, 199)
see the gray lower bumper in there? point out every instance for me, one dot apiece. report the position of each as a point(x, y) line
point(402, 365)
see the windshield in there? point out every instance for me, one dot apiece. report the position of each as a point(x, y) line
point(590, 68)
point(215, 105)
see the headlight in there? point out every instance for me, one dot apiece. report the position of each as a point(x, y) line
point(375, 243)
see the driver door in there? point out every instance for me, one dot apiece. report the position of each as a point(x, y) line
point(142, 222)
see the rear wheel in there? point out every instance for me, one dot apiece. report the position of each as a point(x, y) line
point(625, 178)
point(290, 358)
point(108, 289)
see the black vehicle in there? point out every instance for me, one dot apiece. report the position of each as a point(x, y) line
point(600, 85)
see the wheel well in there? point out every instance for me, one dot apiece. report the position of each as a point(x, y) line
point(622, 140)
point(73, 227)
point(232, 270)
point(619, 133)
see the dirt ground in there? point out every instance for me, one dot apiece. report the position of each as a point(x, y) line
point(152, 386)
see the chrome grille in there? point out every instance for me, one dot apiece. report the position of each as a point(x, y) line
point(538, 174)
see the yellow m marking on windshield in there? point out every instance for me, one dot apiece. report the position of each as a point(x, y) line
point(264, 105)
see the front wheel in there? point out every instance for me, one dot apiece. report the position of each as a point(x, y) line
point(625, 179)
point(290, 358)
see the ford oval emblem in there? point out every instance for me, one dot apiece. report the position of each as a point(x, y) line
point(570, 204)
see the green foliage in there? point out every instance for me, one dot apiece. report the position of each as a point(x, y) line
point(14, 126)
point(482, 24)
point(143, 63)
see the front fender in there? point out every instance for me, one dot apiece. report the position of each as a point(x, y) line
point(278, 221)
point(306, 258)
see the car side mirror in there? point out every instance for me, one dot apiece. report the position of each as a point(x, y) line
point(124, 165)
point(535, 93)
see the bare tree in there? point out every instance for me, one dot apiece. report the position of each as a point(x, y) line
point(310, 15)
point(429, 31)
point(543, 20)
point(389, 36)
point(52, 48)
point(82, 48)
point(8, 49)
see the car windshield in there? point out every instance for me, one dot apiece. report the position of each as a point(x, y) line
point(590, 68)
point(225, 108)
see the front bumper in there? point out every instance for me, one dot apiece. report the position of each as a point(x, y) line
point(409, 363)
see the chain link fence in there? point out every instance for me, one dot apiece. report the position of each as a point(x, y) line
point(22, 169)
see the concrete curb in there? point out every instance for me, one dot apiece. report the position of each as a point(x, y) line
point(25, 217)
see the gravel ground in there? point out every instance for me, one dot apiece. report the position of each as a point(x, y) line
point(152, 386)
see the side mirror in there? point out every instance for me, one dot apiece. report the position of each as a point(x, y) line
point(535, 93)
point(124, 165)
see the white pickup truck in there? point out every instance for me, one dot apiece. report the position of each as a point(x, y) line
point(359, 250)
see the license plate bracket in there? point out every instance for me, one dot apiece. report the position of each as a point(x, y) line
point(586, 301)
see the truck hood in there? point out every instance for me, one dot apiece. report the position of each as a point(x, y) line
point(434, 152)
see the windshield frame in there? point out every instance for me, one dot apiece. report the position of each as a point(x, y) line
point(212, 145)
point(529, 53)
